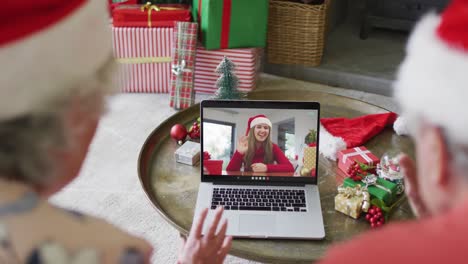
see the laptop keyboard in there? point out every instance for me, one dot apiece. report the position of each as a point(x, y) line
point(259, 199)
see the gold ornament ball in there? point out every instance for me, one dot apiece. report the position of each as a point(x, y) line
point(305, 172)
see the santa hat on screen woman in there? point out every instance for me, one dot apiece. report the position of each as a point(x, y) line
point(256, 120)
point(47, 47)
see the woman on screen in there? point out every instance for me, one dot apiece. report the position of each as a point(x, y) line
point(256, 151)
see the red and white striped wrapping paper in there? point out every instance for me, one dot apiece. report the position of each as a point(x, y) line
point(247, 63)
point(144, 55)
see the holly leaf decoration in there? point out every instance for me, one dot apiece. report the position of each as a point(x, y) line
point(387, 210)
point(365, 167)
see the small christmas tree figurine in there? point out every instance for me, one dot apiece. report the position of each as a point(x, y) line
point(227, 82)
point(311, 137)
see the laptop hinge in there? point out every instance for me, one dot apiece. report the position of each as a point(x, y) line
point(260, 184)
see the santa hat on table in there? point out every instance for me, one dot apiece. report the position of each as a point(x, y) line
point(432, 81)
point(47, 47)
point(256, 120)
point(337, 134)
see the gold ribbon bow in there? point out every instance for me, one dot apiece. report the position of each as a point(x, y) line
point(349, 192)
point(150, 7)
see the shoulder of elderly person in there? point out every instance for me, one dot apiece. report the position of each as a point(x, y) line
point(440, 239)
point(47, 234)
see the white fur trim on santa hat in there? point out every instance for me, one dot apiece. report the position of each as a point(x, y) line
point(260, 120)
point(330, 145)
point(54, 60)
point(400, 126)
point(432, 81)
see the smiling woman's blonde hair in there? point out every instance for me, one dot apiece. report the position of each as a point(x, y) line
point(267, 146)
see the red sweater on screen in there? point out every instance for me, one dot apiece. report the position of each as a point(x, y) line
point(282, 162)
point(440, 239)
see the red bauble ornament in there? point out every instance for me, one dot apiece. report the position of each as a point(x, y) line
point(178, 132)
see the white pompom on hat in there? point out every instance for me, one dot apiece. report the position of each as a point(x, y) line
point(47, 47)
point(432, 81)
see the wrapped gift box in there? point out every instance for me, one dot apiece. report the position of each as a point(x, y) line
point(188, 153)
point(247, 63)
point(213, 167)
point(183, 63)
point(231, 24)
point(149, 15)
point(347, 157)
point(352, 201)
point(383, 189)
point(144, 55)
point(310, 157)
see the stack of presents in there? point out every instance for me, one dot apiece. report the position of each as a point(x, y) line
point(174, 46)
point(368, 181)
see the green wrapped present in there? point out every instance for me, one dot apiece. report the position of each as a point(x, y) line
point(379, 188)
point(231, 23)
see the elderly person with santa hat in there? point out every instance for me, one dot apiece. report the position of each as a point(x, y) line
point(56, 64)
point(432, 90)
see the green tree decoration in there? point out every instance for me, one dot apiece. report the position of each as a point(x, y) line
point(311, 137)
point(227, 82)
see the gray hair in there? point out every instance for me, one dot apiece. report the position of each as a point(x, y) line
point(26, 141)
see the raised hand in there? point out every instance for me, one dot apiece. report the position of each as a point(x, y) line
point(211, 248)
point(259, 167)
point(411, 186)
point(242, 144)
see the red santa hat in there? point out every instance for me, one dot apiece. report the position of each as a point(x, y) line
point(256, 120)
point(432, 81)
point(341, 133)
point(47, 47)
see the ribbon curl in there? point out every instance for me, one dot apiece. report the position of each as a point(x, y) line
point(371, 180)
point(150, 7)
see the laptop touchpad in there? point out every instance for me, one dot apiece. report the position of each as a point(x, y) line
point(257, 224)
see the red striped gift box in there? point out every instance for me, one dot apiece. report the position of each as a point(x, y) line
point(247, 63)
point(144, 55)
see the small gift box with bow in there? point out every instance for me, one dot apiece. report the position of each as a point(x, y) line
point(183, 63)
point(188, 153)
point(352, 201)
point(359, 155)
point(377, 187)
point(149, 15)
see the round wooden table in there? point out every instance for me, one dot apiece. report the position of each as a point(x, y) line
point(172, 187)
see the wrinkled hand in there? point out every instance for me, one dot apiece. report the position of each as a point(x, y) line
point(259, 167)
point(411, 186)
point(243, 145)
point(211, 248)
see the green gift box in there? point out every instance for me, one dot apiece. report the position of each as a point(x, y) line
point(383, 190)
point(231, 23)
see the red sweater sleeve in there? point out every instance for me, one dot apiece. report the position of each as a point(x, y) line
point(283, 163)
point(235, 163)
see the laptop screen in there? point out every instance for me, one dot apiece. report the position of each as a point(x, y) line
point(259, 141)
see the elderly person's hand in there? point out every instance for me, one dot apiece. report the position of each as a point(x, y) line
point(411, 186)
point(211, 248)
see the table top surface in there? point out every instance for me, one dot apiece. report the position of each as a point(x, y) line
point(172, 187)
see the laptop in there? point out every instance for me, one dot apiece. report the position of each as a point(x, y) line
point(253, 166)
